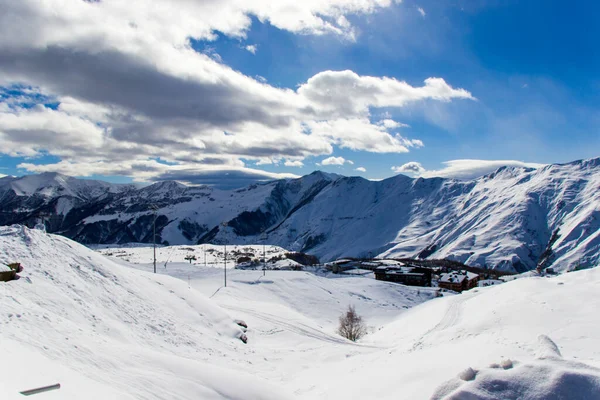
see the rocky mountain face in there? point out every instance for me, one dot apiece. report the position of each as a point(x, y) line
point(514, 219)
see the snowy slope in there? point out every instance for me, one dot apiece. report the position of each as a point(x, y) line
point(490, 343)
point(51, 184)
point(514, 219)
point(433, 344)
point(106, 331)
point(105, 328)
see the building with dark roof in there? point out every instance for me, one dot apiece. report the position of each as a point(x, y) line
point(458, 280)
point(411, 276)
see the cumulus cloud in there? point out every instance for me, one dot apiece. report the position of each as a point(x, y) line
point(25, 132)
point(335, 161)
point(293, 163)
point(361, 134)
point(412, 167)
point(391, 124)
point(462, 169)
point(421, 11)
point(345, 93)
point(361, 169)
point(129, 85)
point(251, 48)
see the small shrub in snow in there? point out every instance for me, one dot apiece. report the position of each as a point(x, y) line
point(352, 326)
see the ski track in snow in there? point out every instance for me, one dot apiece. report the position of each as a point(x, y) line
point(452, 315)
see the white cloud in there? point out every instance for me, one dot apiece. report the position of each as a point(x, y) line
point(130, 83)
point(462, 169)
point(391, 124)
point(252, 48)
point(152, 170)
point(335, 161)
point(26, 132)
point(212, 53)
point(293, 163)
point(421, 11)
point(345, 93)
point(360, 134)
point(409, 168)
point(361, 169)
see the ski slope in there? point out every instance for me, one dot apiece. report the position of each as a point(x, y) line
point(107, 328)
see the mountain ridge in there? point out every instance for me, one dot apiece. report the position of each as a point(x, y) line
point(513, 219)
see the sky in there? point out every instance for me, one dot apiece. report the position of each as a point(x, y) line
point(209, 91)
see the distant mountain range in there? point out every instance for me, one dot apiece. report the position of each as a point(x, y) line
point(513, 219)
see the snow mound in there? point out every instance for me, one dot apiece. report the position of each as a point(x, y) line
point(106, 331)
point(548, 377)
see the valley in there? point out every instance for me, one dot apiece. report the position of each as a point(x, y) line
point(105, 326)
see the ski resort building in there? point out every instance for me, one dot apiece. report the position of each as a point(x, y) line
point(458, 280)
point(411, 276)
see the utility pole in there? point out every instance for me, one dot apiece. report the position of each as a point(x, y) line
point(154, 209)
point(225, 258)
point(264, 238)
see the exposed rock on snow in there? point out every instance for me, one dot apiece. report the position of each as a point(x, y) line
point(468, 374)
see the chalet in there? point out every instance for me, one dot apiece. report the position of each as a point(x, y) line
point(411, 276)
point(458, 280)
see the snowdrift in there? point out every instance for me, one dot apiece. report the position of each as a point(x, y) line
point(106, 331)
point(546, 378)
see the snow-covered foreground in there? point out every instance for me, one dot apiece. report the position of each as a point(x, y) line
point(106, 331)
point(104, 328)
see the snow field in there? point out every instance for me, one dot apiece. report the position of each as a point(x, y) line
point(129, 333)
point(106, 328)
point(436, 341)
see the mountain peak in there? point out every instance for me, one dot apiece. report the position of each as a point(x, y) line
point(325, 175)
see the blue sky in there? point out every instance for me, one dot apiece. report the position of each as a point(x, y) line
point(520, 87)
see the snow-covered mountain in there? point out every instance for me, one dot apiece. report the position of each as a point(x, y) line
point(512, 219)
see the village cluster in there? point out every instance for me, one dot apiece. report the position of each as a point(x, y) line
point(407, 273)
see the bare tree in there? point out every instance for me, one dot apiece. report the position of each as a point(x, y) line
point(351, 325)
